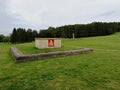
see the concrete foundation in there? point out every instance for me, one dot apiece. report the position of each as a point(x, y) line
point(19, 57)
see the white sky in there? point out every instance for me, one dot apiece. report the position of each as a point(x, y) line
point(40, 14)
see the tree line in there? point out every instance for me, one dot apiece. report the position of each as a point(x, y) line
point(20, 35)
point(4, 38)
point(82, 30)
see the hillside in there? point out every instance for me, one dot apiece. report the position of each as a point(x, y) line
point(99, 70)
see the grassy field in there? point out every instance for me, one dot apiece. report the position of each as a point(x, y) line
point(99, 70)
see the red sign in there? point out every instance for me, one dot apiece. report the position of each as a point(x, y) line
point(50, 42)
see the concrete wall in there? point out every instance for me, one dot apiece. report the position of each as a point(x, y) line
point(19, 57)
point(47, 43)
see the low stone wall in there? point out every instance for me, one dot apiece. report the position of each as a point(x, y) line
point(15, 53)
point(19, 57)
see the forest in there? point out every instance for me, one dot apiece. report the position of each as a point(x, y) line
point(20, 35)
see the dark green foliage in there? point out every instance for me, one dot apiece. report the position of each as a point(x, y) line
point(82, 30)
point(6, 39)
point(1, 37)
point(21, 35)
point(29, 35)
point(14, 36)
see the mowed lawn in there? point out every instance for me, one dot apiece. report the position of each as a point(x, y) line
point(99, 70)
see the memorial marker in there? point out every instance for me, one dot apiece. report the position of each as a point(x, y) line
point(48, 43)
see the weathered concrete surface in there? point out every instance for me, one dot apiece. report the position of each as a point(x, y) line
point(42, 43)
point(15, 53)
point(19, 57)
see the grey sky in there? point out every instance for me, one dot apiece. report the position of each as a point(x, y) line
point(40, 14)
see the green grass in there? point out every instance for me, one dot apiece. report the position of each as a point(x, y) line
point(99, 70)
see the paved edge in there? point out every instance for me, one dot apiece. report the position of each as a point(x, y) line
point(19, 57)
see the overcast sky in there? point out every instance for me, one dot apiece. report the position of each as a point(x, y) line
point(40, 14)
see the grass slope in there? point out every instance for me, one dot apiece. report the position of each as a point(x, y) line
point(99, 70)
